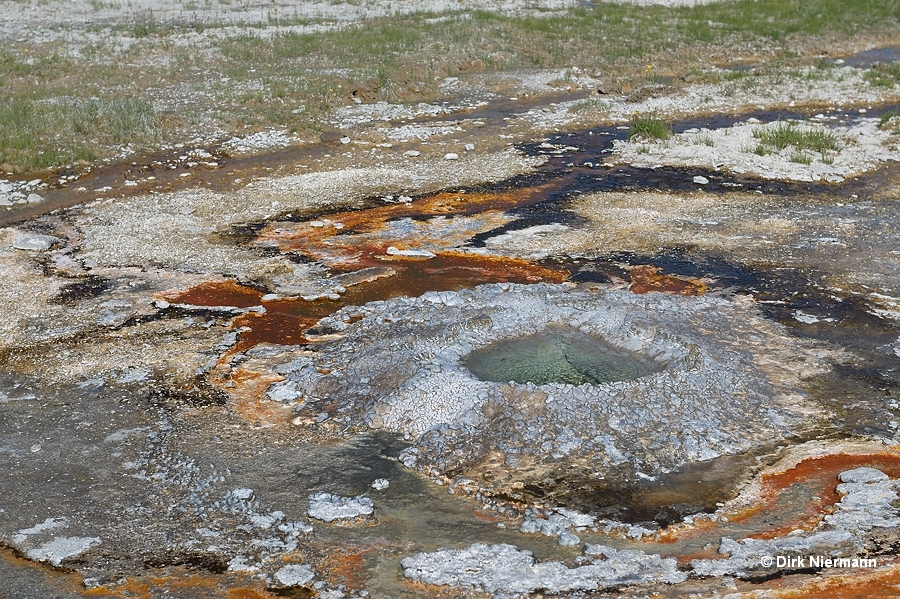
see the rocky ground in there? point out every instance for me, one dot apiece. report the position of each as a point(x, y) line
point(237, 366)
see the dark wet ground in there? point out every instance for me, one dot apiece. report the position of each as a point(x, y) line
point(78, 472)
point(24, 579)
point(860, 60)
point(868, 58)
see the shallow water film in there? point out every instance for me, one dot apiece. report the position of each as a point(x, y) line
point(556, 355)
point(314, 315)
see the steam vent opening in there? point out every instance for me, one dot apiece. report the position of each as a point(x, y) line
point(558, 354)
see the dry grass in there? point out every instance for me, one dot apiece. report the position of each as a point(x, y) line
point(241, 83)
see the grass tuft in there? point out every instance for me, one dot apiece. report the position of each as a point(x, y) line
point(884, 75)
point(790, 134)
point(801, 158)
point(146, 27)
point(889, 115)
point(886, 118)
point(649, 127)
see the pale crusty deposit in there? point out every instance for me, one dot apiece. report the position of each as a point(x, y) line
point(400, 368)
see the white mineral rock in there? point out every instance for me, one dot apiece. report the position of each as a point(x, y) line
point(328, 508)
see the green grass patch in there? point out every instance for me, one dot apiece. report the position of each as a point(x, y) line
point(42, 134)
point(649, 127)
point(148, 26)
point(790, 134)
point(801, 158)
point(448, 44)
point(888, 116)
point(761, 149)
point(884, 75)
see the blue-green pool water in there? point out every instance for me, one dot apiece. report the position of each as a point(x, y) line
point(559, 354)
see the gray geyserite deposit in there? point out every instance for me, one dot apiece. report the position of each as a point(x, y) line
point(294, 575)
point(40, 543)
point(867, 505)
point(506, 571)
point(559, 521)
point(330, 508)
point(60, 548)
point(34, 242)
point(401, 368)
point(20, 192)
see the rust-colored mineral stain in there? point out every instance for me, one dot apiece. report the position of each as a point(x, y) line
point(181, 583)
point(346, 567)
point(486, 516)
point(451, 271)
point(646, 278)
point(359, 238)
point(246, 594)
point(816, 475)
point(132, 589)
point(282, 325)
point(881, 583)
point(686, 558)
point(247, 397)
point(286, 320)
point(819, 474)
point(354, 240)
point(443, 203)
point(216, 293)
